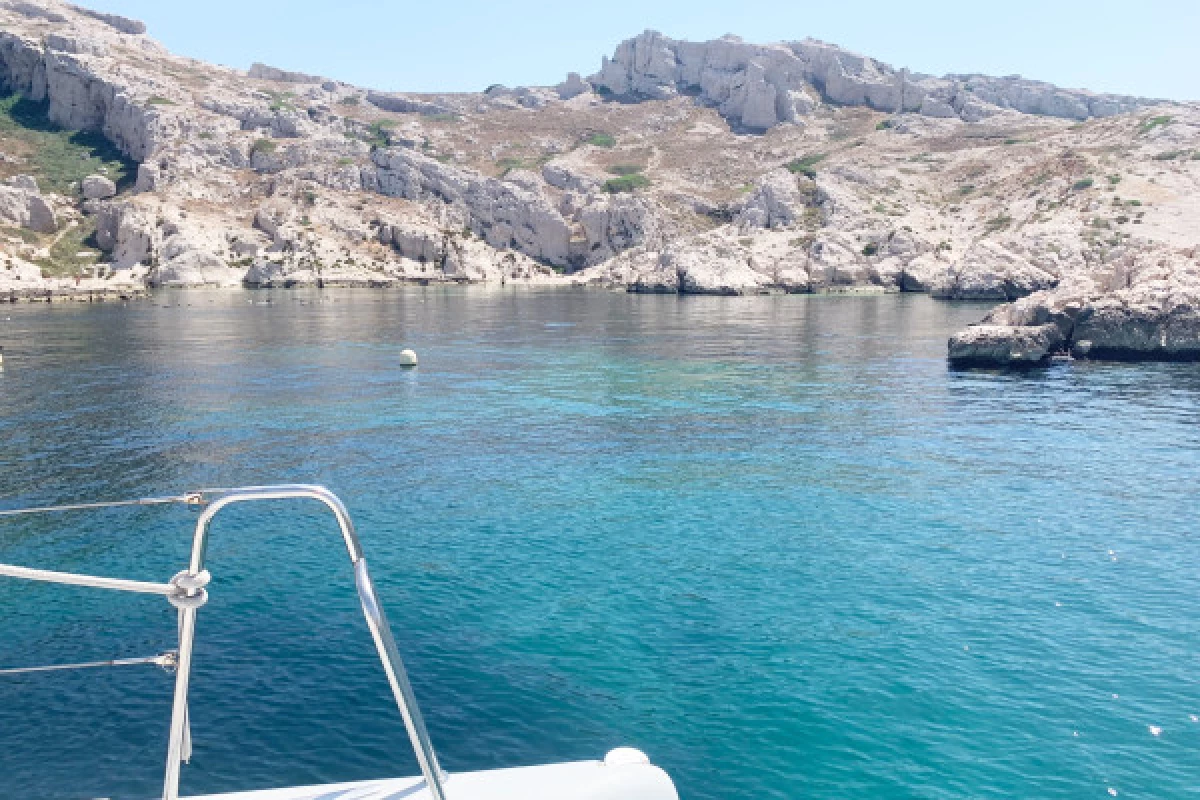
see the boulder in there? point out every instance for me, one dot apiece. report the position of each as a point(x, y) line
point(573, 86)
point(97, 187)
point(27, 208)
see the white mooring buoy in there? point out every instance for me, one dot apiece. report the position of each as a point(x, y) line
point(408, 358)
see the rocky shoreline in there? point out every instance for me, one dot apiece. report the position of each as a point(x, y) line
point(1153, 316)
point(721, 168)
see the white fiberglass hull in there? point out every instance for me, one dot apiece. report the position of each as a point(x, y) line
point(580, 780)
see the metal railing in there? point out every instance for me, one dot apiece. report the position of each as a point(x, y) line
point(186, 591)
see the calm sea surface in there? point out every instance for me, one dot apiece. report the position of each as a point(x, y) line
point(774, 542)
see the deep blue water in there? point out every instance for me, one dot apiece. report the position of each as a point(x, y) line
point(774, 542)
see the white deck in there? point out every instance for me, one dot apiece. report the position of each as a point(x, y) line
point(580, 780)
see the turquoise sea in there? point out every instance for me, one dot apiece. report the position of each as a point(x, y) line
point(775, 542)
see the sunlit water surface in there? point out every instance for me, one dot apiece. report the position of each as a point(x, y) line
point(774, 542)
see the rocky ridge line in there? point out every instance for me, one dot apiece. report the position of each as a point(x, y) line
point(760, 86)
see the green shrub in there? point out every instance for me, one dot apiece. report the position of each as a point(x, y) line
point(351, 100)
point(1150, 124)
point(804, 165)
point(627, 183)
point(158, 100)
point(1085, 183)
point(886, 124)
point(206, 135)
point(1170, 155)
point(377, 133)
point(870, 250)
point(509, 163)
point(601, 140)
point(1114, 179)
point(998, 223)
point(624, 169)
point(443, 116)
point(1012, 141)
point(281, 101)
point(264, 146)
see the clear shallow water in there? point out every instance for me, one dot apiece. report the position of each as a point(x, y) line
point(774, 542)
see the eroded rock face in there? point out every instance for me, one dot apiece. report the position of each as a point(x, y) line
point(990, 271)
point(614, 224)
point(81, 98)
point(1004, 345)
point(128, 233)
point(760, 86)
point(776, 202)
point(504, 214)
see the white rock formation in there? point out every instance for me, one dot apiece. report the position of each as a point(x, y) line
point(760, 86)
point(505, 215)
point(97, 187)
point(27, 208)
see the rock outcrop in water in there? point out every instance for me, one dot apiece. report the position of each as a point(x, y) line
point(718, 167)
point(1137, 311)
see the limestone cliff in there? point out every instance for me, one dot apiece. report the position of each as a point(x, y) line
point(711, 167)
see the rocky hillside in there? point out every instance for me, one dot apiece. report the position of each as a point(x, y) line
point(717, 167)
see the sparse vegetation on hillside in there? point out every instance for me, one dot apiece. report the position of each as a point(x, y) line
point(282, 101)
point(805, 165)
point(379, 133)
point(73, 251)
point(601, 140)
point(1151, 123)
point(626, 183)
point(264, 146)
point(999, 223)
point(58, 158)
point(159, 100)
point(623, 170)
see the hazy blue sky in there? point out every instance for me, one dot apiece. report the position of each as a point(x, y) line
point(1147, 47)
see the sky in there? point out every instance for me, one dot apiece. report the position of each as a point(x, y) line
point(1142, 47)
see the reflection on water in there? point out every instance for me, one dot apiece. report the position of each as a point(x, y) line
point(772, 541)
